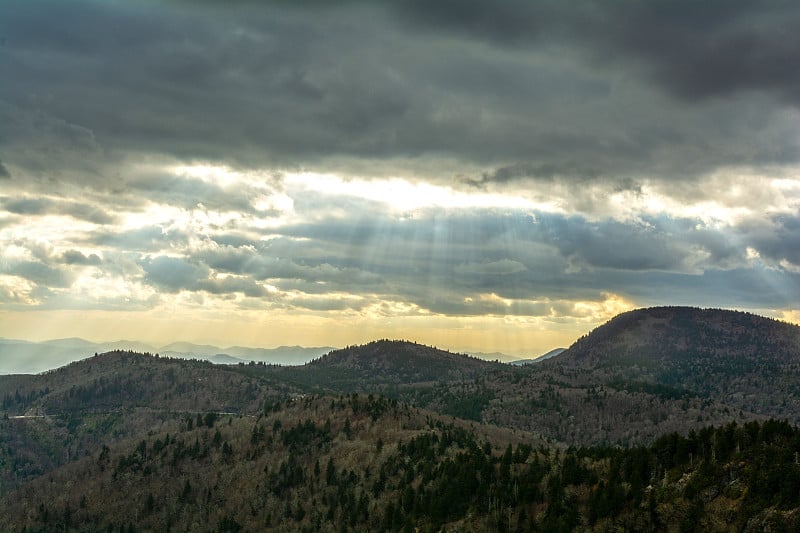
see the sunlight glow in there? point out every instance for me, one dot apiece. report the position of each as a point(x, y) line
point(402, 195)
point(44, 230)
point(17, 290)
point(791, 315)
point(219, 174)
point(93, 284)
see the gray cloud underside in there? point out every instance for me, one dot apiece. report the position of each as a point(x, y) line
point(438, 260)
point(32, 206)
point(510, 90)
point(437, 263)
point(503, 95)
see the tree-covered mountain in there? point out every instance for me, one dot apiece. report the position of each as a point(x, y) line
point(364, 463)
point(189, 445)
point(124, 380)
point(664, 335)
point(403, 362)
point(646, 373)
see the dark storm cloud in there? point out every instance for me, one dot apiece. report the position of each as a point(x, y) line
point(496, 268)
point(759, 287)
point(101, 101)
point(280, 84)
point(696, 49)
point(702, 49)
point(224, 286)
point(775, 239)
point(46, 148)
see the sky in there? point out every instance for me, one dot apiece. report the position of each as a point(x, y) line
point(480, 176)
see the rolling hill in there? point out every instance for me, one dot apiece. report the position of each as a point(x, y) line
point(371, 464)
point(663, 335)
point(739, 359)
point(649, 372)
point(183, 438)
point(403, 362)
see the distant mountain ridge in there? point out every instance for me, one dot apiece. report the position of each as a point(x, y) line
point(139, 442)
point(494, 356)
point(640, 375)
point(26, 357)
point(552, 353)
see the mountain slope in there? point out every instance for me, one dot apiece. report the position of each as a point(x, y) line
point(666, 334)
point(384, 363)
point(370, 464)
point(653, 371)
point(643, 374)
point(124, 380)
point(66, 413)
point(135, 440)
point(745, 361)
point(407, 361)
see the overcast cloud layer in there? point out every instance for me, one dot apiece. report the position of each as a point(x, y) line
point(540, 165)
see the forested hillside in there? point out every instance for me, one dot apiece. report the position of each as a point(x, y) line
point(127, 379)
point(358, 463)
point(614, 433)
point(646, 373)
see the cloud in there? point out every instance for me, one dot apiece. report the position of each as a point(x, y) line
point(46, 148)
point(229, 285)
point(187, 193)
point(497, 94)
point(493, 268)
point(74, 257)
point(43, 275)
point(172, 274)
point(144, 239)
point(38, 206)
point(775, 239)
point(275, 155)
point(27, 206)
point(694, 50)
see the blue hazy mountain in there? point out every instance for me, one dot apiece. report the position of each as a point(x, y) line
point(25, 357)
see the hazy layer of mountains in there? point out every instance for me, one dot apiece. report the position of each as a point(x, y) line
point(610, 434)
point(552, 353)
point(24, 357)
